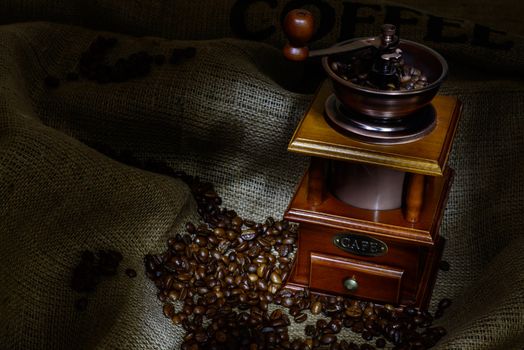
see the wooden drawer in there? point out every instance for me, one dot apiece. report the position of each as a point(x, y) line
point(378, 282)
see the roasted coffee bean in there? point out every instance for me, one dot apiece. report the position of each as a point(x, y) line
point(335, 325)
point(169, 310)
point(182, 294)
point(368, 311)
point(289, 241)
point(275, 278)
point(294, 310)
point(328, 339)
point(176, 319)
point(367, 335)
point(278, 322)
point(237, 221)
point(410, 311)
point(300, 317)
point(248, 235)
point(321, 324)
point(277, 314)
point(316, 308)
point(252, 277)
point(357, 327)
point(309, 343)
point(444, 303)
point(354, 312)
point(397, 336)
point(348, 322)
point(428, 320)
point(273, 288)
point(200, 336)
point(130, 273)
point(199, 310)
point(309, 330)
point(190, 228)
point(201, 240)
point(262, 285)
point(220, 336)
point(288, 302)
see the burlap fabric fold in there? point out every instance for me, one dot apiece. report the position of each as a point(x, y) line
point(226, 116)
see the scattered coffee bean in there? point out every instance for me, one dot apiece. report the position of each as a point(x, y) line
point(444, 303)
point(316, 307)
point(301, 317)
point(309, 330)
point(366, 335)
point(275, 278)
point(328, 339)
point(130, 273)
point(335, 325)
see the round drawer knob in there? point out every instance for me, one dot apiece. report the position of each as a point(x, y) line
point(351, 284)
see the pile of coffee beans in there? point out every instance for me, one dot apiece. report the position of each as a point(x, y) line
point(93, 63)
point(228, 272)
point(444, 265)
point(442, 305)
point(92, 269)
point(222, 280)
point(356, 69)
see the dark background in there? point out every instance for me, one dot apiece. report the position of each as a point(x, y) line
point(504, 15)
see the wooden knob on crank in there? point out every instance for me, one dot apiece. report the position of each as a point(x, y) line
point(298, 27)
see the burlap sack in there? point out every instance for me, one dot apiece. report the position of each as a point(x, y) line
point(226, 116)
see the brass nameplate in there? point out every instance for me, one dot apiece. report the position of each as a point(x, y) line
point(360, 244)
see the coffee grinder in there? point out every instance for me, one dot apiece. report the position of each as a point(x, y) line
point(371, 202)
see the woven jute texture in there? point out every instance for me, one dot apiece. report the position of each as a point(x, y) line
point(226, 116)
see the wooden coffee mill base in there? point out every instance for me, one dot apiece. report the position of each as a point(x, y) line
point(386, 256)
